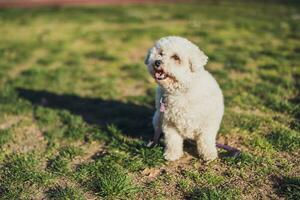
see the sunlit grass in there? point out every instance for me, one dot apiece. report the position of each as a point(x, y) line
point(74, 79)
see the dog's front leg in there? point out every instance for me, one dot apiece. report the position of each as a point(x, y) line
point(206, 144)
point(174, 144)
point(157, 123)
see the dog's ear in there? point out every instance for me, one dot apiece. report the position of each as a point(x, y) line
point(146, 61)
point(197, 60)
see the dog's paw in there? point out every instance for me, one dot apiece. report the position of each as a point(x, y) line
point(172, 156)
point(208, 157)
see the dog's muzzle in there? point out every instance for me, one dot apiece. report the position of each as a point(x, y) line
point(159, 73)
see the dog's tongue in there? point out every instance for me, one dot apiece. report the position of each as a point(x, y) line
point(158, 75)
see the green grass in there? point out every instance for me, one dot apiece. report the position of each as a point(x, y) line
point(106, 179)
point(5, 136)
point(21, 178)
point(64, 193)
point(290, 187)
point(60, 163)
point(76, 102)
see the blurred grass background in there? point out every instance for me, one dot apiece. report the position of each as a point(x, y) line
point(76, 101)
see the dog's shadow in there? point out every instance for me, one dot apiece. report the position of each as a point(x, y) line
point(132, 119)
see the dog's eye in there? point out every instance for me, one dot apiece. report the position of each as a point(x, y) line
point(161, 53)
point(175, 57)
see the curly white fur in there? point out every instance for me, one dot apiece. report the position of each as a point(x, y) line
point(193, 99)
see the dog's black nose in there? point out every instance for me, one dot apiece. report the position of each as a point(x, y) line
point(157, 63)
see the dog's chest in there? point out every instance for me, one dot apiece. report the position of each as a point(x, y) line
point(178, 113)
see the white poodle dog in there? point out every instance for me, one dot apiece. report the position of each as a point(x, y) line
point(189, 102)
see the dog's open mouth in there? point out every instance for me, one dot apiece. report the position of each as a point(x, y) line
point(160, 75)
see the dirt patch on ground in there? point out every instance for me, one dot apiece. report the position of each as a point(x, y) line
point(64, 182)
point(9, 121)
point(26, 137)
point(89, 149)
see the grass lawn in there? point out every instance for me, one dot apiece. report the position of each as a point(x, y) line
point(76, 102)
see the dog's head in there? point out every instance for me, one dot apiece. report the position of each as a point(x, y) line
point(173, 60)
